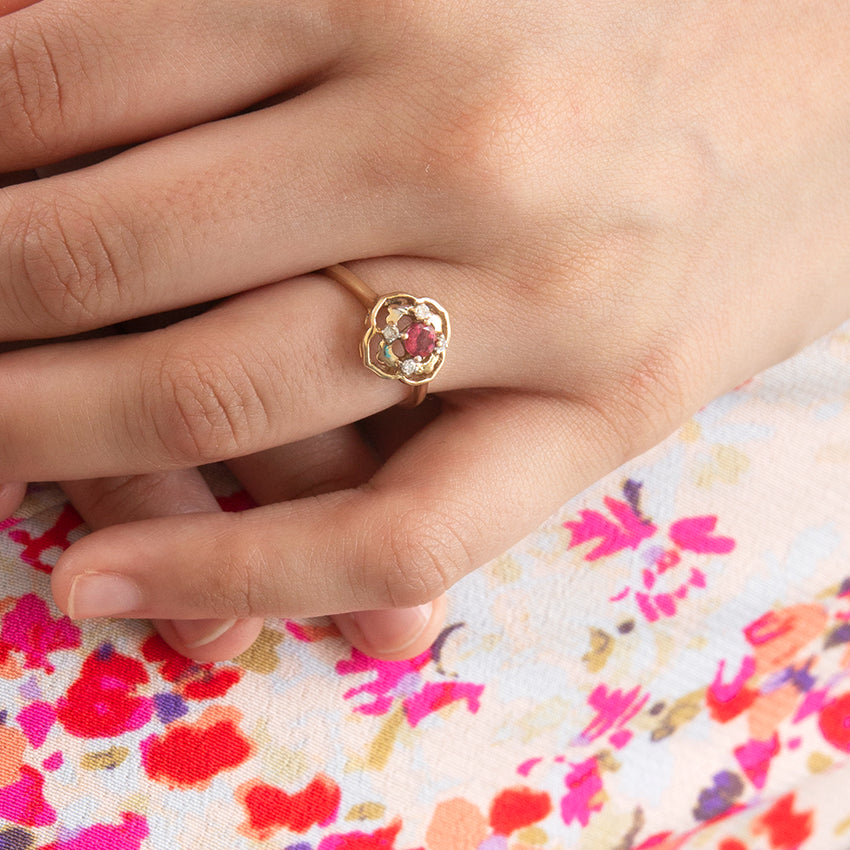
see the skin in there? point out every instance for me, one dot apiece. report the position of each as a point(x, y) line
point(627, 209)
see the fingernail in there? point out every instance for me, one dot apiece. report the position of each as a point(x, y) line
point(103, 595)
point(393, 629)
point(195, 633)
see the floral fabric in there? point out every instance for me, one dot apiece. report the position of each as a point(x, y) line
point(664, 664)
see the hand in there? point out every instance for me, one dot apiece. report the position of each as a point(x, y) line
point(320, 464)
point(627, 210)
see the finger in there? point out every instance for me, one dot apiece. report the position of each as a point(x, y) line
point(81, 75)
point(340, 460)
point(11, 496)
point(9, 6)
point(106, 502)
point(484, 474)
point(270, 367)
point(205, 213)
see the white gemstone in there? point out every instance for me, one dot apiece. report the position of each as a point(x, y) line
point(408, 367)
point(421, 312)
point(390, 333)
point(440, 344)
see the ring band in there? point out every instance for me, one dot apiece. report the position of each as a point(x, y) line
point(406, 337)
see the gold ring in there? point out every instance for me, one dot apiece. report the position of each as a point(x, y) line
point(406, 337)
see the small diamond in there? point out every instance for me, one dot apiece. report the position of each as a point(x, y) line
point(421, 312)
point(408, 367)
point(440, 344)
point(390, 333)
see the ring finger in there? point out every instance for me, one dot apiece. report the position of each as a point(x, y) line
point(269, 367)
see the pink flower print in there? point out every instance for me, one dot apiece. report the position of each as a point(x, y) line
point(584, 795)
point(402, 682)
point(29, 628)
point(628, 528)
point(128, 835)
point(694, 535)
point(726, 701)
point(755, 757)
point(23, 801)
point(434, 695)
point(393, 679)
point(36, 720)
point(614, 709)
point(626, 532)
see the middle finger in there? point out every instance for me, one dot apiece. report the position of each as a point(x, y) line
point(205, 213)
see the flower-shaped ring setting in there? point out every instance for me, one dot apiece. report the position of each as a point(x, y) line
point(406, 337)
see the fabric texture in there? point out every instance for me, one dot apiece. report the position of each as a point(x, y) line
point(664, 664)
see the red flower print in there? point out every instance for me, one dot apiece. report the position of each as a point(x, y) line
point(269, 809)
point(834, 722)
point(517, 808)
point(310, 632)
point(193, 680)
point(189, 755)
point(381, 839)
point(102, 703)
point(785, 829)
point(57, 536)
point(726, 702)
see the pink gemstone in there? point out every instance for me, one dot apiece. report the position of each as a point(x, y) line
point(420, 341)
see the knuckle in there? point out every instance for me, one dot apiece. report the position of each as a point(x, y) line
point(69, 266)
point(204, 410)
point(422, 557)
point(481, 143)
point(32, 94)
point(123, 496)
point(476, 142)
point(237, 585)
point(649, 397)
